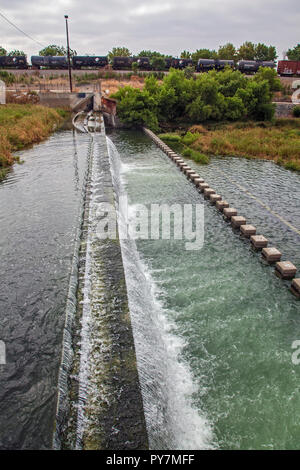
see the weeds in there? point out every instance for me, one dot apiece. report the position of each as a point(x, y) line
point(22, 125)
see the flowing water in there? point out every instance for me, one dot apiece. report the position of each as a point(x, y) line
point(39, 217)
point(213, 328)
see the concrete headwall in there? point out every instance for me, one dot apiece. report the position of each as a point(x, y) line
point(70, 101)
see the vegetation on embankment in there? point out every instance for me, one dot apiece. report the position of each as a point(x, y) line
point(278, 141)
point(213, 96)
point(22, 125)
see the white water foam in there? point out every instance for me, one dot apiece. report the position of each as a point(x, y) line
point(166, 380)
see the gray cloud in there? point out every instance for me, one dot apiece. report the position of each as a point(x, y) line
point(170, 26)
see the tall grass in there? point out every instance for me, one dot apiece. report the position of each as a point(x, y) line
point(278, 141)
point(22, 125)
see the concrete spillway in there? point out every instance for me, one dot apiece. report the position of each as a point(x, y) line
point(100, 405)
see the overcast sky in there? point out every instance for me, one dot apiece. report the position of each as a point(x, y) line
point(169, 26)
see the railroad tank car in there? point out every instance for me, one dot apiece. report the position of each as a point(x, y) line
point(143, 63)
point(266, 63)
point(49, 62)
point(204, 65)
point(13, 62)
point(248, 66)
point(120, 63)
point(220, 64)
point(288, 67)
point(183, 63)
point(171, 62)
point(89, 61)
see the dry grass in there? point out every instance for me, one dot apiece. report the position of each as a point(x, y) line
point(22, 125)
point(279, 142)
point(110, 87)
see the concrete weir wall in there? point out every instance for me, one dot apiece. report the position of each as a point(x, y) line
point(70, 101)
point(102, 405)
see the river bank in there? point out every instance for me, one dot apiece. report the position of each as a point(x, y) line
point(278, 141)
point(21, 126)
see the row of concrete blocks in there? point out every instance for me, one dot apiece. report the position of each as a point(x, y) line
point(283, 269)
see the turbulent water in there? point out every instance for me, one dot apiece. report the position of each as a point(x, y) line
point(214, 328)
point(39, 217)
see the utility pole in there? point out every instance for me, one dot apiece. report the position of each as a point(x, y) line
point(68, 52)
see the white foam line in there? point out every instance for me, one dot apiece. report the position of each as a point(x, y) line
point(85, 327)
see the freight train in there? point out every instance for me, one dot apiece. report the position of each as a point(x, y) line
point(244, 66)
point(285, 67)
point(288, 67)
point(13, 62)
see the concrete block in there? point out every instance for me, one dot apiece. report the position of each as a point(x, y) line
point(214, 198)
point(295, 287)
point(208, 192)
point(285, 270)
point(203, 186)
point(187, 170)
point(184, 167)
point(238, 220)
point(259, 241)
point(271, 255)
point(229, 212)
point(198, 181)
point(248, 230)
point(222, 205)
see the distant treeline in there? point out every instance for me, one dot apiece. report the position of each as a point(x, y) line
point(247, 51)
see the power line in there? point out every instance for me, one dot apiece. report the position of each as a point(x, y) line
point(20, 30)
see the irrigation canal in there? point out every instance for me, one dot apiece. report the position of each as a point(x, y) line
point(212, 328)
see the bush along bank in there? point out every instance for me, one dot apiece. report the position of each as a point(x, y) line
point(23, 125)
point(278, 141)
point(213, 96)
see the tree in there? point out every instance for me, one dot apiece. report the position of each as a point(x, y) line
point(203, 54)
point(2, 51)
point(272, 53)
point(157, 63)
point(294, 54)
point(227, 52)
point(189, 71)
point(54, 50)
point(119, 52)
point(217, 96)
point(16, 52)
point(135, 67)
point(266, 73)
point(150, 54)
point(247, 51)
point(263, 52)
point(185, 55)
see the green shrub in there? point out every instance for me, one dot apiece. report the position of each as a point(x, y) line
point(187, 152)
point(170, 137)
point(296, 111)
point(214, 96)
point(190, 138)
point(194, 155)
